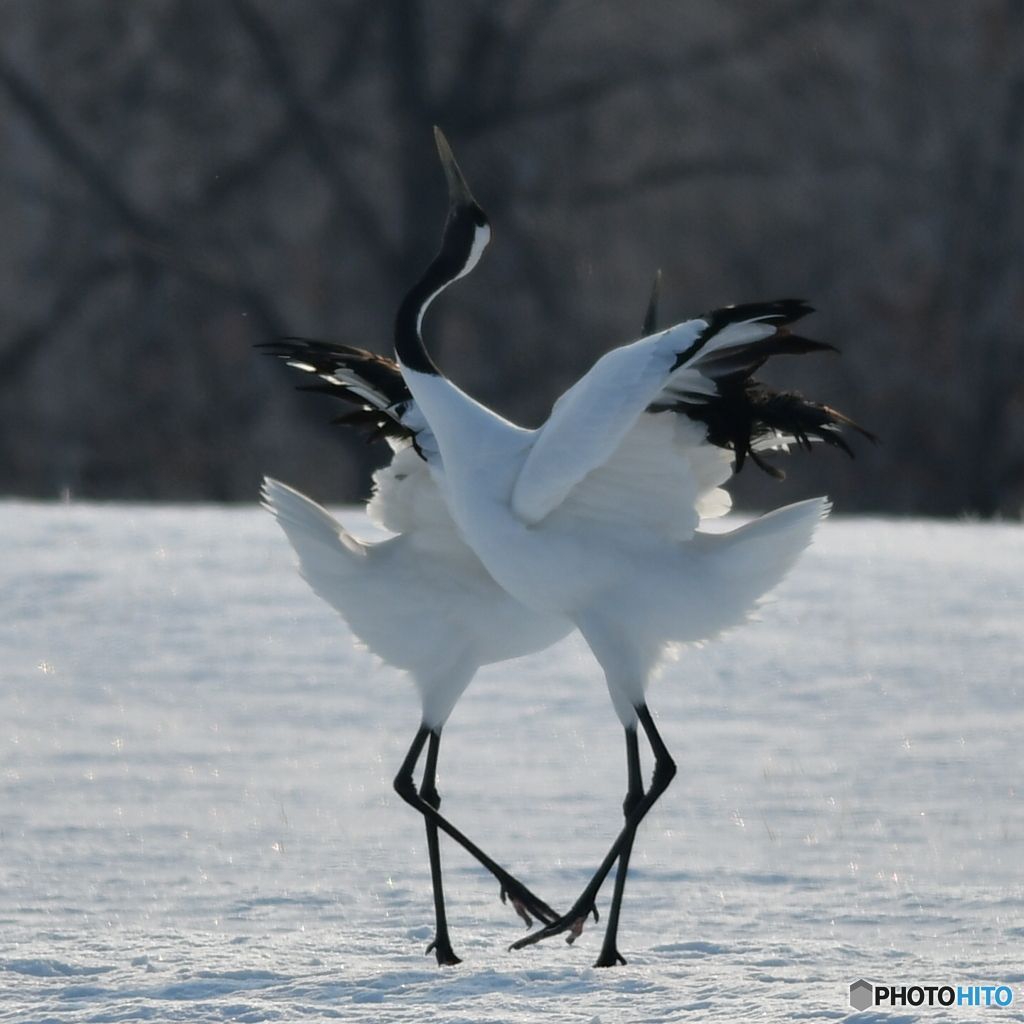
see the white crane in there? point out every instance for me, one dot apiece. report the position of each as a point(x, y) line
point(593, 517)
point(420, 600)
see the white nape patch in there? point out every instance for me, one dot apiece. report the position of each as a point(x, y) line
point(481, 237)
point(426, 306)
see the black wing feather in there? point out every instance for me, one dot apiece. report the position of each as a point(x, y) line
point(743, 411)
point(370, 381)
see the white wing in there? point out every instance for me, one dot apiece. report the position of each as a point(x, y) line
point(597, 429)
point(663, 477)
point(421, 600)
point(589, 422)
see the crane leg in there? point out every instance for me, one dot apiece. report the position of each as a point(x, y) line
point(610, 955)
point(441, 946)
point(427, 801)
point(664, 772)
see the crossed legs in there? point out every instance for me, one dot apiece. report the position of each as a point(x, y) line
point(635, 806)
point(427, 801)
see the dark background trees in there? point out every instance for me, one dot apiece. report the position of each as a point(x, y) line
point(180, 179)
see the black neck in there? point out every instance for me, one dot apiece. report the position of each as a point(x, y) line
point(409, 347)
point(456, 248)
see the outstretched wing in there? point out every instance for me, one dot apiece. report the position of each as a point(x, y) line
point(701, 370)
point(374, 384)
point(714, 385)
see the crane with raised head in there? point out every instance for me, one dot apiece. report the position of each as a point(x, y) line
point(593, 517)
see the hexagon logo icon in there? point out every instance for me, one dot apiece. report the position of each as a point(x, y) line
point(860, 995)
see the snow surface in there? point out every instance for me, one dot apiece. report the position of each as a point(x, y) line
point(197, 821)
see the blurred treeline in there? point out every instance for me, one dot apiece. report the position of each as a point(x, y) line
point(180, 179)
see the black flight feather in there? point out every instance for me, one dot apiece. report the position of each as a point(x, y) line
point(370, 381)
point(743, 412)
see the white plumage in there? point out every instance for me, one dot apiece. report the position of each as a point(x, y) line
point(507, 538)
point(421, 600)
point(593, 516)
point(615, 551)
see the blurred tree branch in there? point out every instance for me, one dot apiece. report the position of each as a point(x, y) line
point(184, 178)
point(144, 233)
point(41, 114)
point(25, 345)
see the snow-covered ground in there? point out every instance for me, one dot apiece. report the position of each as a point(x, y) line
point(197, 821)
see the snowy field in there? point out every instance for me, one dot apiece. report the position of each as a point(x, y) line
point(197, 821)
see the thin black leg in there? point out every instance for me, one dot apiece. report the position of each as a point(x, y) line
point(610, 955)
point(427, 801)
point(664, 772)
point(441, 946)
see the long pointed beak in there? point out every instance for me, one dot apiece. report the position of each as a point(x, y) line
point(458, 190)
point(651, 319)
